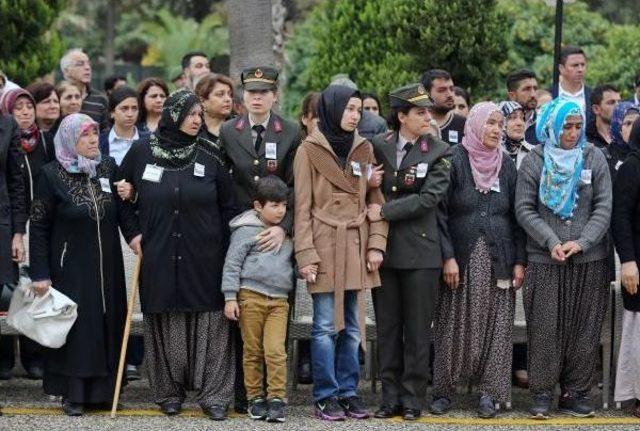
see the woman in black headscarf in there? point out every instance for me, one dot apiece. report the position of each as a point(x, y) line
point(184, 203)
point(337, 249)
point(626, 235)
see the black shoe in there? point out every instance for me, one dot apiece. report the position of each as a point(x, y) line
point(576, 404)
point(276, 410)
point(440, 406)
point(258, 409)
point(354, 407)
point(171, 408)
point(133, 373)
point(541, 406)
point(6, 374)
point(216, 412)
point(35, 373)
point(387, 411)
point(486, 407)
point(73, 409)
point(241, 407)
point(411, 414)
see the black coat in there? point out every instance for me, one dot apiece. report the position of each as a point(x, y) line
point(74, 242)
point(466, 214)
point(184, 222)
point(412, 203)
point(13, 214)
point(31, 164)
point(625, 222)
point(248, 166)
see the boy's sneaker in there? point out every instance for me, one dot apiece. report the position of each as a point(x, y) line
point(328, 409)
point(354, 407)
point(576, 404)
point(258, 409)
point(275, 411)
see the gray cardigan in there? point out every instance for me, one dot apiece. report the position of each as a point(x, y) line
point(246, 267)
point(590, 222)
point(466, 214)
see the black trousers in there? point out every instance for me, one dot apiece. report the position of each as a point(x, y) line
point(404, 306)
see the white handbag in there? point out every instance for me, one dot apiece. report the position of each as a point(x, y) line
point(45, 319)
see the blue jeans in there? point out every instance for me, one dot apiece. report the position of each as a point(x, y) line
point(334, 356)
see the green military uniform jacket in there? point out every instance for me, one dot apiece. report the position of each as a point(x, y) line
point(412, 192)
point(247, 166)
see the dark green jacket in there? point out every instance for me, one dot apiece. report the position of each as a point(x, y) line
point(247, 166)
point(411, 202)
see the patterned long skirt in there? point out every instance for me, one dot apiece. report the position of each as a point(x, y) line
point(564, 306)
point(190, 352)
point(473, 327)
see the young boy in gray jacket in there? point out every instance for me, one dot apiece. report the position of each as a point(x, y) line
point(256, 285)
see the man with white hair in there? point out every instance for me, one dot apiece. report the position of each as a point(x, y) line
point(76, 68)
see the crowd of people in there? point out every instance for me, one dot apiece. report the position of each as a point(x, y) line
point(444, 210)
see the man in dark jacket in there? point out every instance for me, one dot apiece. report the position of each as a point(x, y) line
point(439, 85)
point(522, 87)
point(604, 99)
point(76, 68)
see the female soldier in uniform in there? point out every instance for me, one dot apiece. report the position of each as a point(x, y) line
point(257, 144)
point(416, 177)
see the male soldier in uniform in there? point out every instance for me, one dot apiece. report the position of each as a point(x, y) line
point(415, 179)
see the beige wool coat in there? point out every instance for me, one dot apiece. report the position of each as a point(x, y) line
point(331, 227)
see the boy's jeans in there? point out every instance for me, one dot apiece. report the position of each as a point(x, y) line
point(336, 369)
point(263, 324)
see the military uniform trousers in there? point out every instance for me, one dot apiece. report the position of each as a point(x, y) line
point(404, 306)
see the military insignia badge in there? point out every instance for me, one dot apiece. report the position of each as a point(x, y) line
point(272, 165)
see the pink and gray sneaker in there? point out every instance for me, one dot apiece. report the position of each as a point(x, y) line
point(328, 409)
point(354, 407)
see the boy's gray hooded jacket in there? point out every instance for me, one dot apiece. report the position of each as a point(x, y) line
point(268, 273)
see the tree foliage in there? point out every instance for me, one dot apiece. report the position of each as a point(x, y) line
point(169, 37)
point(383, 44)
point(612, 50)
point(28, 48)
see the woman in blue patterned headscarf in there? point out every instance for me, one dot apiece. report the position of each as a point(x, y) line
point(562, 163)
point(563, 202)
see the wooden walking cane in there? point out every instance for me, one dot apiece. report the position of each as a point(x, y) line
point(125, 338)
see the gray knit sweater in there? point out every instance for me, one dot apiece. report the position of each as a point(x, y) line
point(246, 267)
point(590, 222)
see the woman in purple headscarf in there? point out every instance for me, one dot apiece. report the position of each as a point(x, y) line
point(622, 119)
point(75, 247)
point(483, 257)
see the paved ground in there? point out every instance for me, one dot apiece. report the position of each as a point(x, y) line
point(26, 408)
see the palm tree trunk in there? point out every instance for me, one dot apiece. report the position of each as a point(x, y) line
point(250, 35)
point(109, 41)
